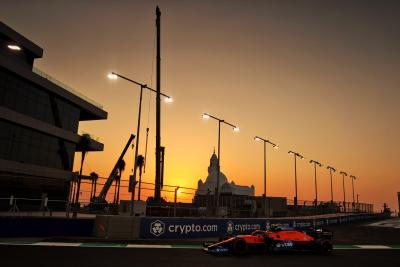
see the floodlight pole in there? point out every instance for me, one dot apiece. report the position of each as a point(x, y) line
point(315, 179)
point(330, 174)
point(218, 167)
point(132, 181)
point(295, 180)
point(136, 154)
point(235, 128)
point(344, 191)
point(295, 155)
point(257, 138)
point(352, 185)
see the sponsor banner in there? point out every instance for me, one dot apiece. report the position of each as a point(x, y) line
point(161, 227)
point(176, 228)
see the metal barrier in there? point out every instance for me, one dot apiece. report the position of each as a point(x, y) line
point(178, 201)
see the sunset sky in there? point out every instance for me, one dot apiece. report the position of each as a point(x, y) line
point(317, 77)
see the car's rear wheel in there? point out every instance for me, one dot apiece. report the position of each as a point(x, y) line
point(239, 247)
point(325, 248)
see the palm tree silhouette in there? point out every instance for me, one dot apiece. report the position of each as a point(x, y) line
point(140, 164)
point(94, 176)
point(84, 144)
point(120, 168)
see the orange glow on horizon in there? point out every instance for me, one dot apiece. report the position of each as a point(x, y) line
point(294, 74)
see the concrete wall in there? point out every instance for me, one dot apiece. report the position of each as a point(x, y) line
point(116, 227)
point(44, 226)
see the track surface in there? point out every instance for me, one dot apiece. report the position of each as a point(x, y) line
point(96, 257)
point(352, 234)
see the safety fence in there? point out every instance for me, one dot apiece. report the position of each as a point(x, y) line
point(177, 201)
point(323, 207)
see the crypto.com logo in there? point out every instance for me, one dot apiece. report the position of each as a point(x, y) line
point(157, 228)
point(230, 227)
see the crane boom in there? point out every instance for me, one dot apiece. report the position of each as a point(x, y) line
point(103, 193)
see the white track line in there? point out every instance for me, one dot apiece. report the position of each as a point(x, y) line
point(373, 247)
point(147, 246)
point(57, 244)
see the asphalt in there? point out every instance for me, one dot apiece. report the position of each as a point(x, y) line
point(95, 252)
point(96, 257)
point(363, 233)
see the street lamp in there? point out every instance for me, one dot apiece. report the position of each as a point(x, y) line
point(257, 138)
point(235, 129)
point(331, 169)
point(114, 76)
point(14, 47)
point(295, 156)
point(352, 177)
point(344, 191)
point(315, 179)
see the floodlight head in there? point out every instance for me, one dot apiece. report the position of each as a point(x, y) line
point(205, 116)
point(112, 76)
point(168, 100)
point(236, 129)
point(276, 147)
point(331, 168)
point(14, 47)
point(257, 138)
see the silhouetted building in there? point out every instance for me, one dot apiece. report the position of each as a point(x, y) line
point(39, 118)
point(226, 187)
point(398, 198)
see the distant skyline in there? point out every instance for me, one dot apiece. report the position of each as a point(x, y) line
point(317, 77)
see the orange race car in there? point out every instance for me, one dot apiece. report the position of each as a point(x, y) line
point(274, 240)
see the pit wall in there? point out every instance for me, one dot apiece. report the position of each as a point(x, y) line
point(124, 227)
point(45, 227)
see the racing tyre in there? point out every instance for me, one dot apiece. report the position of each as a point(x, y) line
point(325, 248)
point(239, 247)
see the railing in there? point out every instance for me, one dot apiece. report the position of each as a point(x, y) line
point(337, 206)
point(66, 87)
point(177, 201)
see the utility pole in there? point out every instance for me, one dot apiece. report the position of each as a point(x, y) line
point(157, 191)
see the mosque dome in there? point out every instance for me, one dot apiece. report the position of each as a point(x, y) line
point(213, 172)
point(210, 183)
